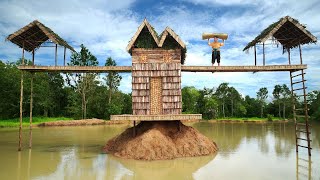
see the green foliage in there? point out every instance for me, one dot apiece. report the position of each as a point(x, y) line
point(269, 117)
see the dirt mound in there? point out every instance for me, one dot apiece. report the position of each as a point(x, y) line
point(160, 140)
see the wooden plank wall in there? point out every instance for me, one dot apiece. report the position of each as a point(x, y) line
point(156, 63)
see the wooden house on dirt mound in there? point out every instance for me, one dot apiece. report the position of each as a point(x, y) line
point(156, 71)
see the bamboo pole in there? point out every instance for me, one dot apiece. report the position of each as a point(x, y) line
point(31, 108)
point(21, 100)
point(55, 55)
point(300, 52)
point(289, 58)
point(264, 56)
point(255, 55)
point(33, 57)
point(64, 56)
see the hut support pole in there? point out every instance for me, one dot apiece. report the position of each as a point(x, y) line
point(255, 55)
point(64, 56)
point(31, 108)
point(264, 56)
point(300, 52)
point(134, 128)
point(21, 101)
point(55, 55)
point(289, 58)
point(31, 103)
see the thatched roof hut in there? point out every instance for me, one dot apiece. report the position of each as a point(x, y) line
point(287, 31)
point(31, 36)
point(146, 37)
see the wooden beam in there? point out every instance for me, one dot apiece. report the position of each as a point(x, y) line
point(124, 69)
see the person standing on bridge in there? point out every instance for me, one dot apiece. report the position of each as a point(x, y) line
point(215, 50)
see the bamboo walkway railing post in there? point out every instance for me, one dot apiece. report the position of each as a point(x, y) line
point(255, 55)
point(289, 58)
point(264, 56)
point(55, 55)
point(21, 101)
point(64, 56)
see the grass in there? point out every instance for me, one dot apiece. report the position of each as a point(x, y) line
point(25, 121)
point(247, 119)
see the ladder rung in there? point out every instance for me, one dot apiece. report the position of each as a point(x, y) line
point(301, 116)
point(298, 75)
point(299, 109)
point(304, 139)
point(303, 167)
point(299, 89)
point(299, 82)
point(304, 146)
point(300, 95)
point(303, 131)
point(305, 160)
point(303, 124)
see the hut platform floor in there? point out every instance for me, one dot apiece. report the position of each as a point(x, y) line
point(162, 117)
point(102, 69)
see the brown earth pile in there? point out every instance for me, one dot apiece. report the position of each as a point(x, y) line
point(160, 140)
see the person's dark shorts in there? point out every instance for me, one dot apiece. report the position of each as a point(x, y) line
point(215, 56)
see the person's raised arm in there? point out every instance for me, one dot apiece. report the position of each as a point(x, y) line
point(222, 44)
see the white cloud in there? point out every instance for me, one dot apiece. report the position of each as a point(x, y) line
point(105, 27)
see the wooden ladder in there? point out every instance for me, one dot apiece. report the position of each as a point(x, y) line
point(300, 115)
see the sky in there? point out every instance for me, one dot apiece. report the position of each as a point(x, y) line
point(105, 27)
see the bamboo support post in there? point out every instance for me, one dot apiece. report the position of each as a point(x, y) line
point(289, 58)
point(134, 128)
point(255, 55)
point(55, 55)
point(31, 108)
point(264, 56)
point(300, 52)
point(21, 101)
point(64, 56)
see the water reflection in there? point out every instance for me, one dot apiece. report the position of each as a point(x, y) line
point(249, 151)
point(303, 167)
point(230, 136)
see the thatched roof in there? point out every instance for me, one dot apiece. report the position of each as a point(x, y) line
point(144, 25)
point(288, 31)
point(34, 34)
point(169, 31)
point(147, 37)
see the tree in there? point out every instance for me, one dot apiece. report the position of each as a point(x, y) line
point(235, 98)
point(286, 93)
point(83, 83)
point(276, 94)
point(190, 96)
point(222, 94)
point(262, 95)
point(112, 78)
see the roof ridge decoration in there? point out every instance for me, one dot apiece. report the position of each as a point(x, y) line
point(298, 34)
point(33, 40)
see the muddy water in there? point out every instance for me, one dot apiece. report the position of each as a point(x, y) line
point(247, 151)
